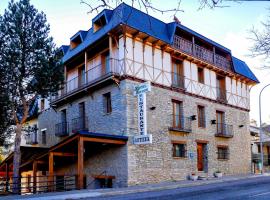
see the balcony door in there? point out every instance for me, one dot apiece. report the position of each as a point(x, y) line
point(82, 120)
point(221, 88)
point(220, 122)
point(178, 118)
point(64, 121)
point(81, 75)
point(177, 74)
point(105, 62)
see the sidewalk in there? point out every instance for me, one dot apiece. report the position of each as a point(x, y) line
point(87, 193)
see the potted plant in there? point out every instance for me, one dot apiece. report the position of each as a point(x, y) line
point(218, 174)
point(193, 177)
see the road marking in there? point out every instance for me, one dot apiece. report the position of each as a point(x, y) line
point(261, 194)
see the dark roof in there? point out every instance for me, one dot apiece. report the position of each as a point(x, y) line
point(103, 135)
point(125, 14)
point(241, 68)
point(64, 49)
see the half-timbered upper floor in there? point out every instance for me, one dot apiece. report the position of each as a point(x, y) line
point(127, 43)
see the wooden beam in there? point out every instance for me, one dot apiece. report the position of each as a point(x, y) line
point(51, 178)
point(80, 163)
point(63, 154)
point(64, 143)
point(34, 176)
point(102, 140)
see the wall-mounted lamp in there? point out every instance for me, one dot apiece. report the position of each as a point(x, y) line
point(193, 117)
point(241, 126)
point(213, 121)
point(153, 108)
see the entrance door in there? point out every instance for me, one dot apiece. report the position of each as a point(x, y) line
point(200, 156)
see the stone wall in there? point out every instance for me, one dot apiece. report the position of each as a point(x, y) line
point(154, 162)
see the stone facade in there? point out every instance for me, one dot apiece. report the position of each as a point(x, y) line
point(136, 164)
point(155, 163)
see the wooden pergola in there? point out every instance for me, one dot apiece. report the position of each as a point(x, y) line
point(72, 146)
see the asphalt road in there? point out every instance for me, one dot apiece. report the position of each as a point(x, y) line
point(255, 188)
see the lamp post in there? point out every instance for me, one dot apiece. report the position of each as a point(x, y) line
point(261, 140)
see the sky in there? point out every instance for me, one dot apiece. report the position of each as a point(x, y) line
point(228, 26)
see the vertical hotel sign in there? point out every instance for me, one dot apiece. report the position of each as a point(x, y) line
point(140, 91)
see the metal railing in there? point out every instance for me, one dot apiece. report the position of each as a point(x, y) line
point(80, 123)
point(224, 130)
point(181, 123)
point(221, 94)
point(201, 53)
point(178, 81)
point(223, 155)
point(256, 158)
point(61, 129)
point(31, 138)
point(94, 74)
point(39, 184)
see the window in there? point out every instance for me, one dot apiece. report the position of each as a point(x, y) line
point(223, 152)
point(107, 103)
point(105, 61)
point(200, 75)
point(201, 116)
point(221, 88)
point(179, 149)
point(220, 122)
point(42, 104)
point(43, 137)
point(178, 121)
point(81, 78)
point(177, 74)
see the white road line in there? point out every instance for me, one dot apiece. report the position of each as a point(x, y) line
point(261, 194)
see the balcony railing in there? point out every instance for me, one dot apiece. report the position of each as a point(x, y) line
point(224, 130)
point(80, 123)
point(178, 81)
point(91, 76)
point(181, 123)
point(201, 53)
point(31, 138)
point(61, 129)
point(221, 95)
point(256, 158)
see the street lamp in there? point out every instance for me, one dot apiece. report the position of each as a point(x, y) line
point(261, 140)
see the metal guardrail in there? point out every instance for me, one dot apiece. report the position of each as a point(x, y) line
point(27, 185)
point(181, 123)
point(80, 123)
point(61, 129)
point(224, 130)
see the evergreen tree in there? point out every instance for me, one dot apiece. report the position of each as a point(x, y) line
point(30, 64)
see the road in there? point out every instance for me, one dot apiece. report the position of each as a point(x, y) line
point(254, 188)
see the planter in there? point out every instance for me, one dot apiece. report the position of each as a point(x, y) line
point(193, 177)
point(218, 174)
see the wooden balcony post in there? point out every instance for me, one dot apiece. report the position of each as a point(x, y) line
point(214, 55)
point(193, 45)
point(110, 53)
point(7, 176)
point(85, 67)
point(51, 178)
point(34, 176)
point(80, 163)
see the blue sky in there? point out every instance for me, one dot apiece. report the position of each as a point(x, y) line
point(228, 26)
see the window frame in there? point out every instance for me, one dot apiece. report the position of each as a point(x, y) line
point(200, 71)
point(201, 109)
point(182, 153)
point(43, 141)
point(107, 103)
point(225, 154)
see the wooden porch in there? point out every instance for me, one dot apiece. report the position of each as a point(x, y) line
point(72, 150)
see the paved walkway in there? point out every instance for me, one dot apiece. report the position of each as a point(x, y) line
point(87, 193)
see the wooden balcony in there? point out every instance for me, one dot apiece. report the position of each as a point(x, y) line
point(90, 77)
point(201, 53)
